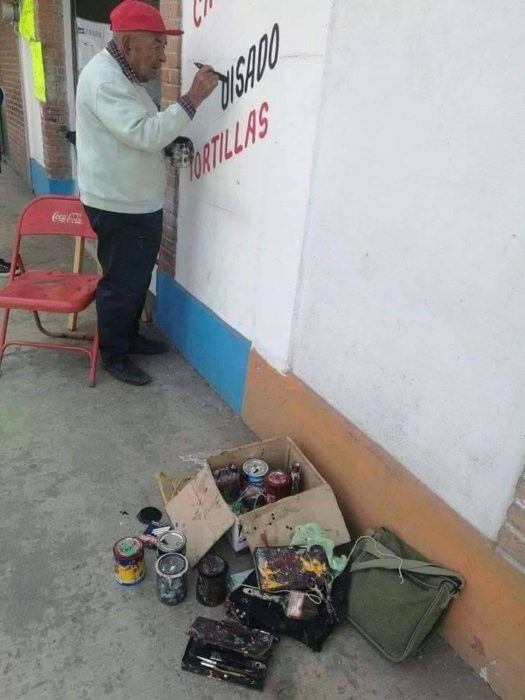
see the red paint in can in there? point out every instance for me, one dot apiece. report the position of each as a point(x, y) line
point(277, 485)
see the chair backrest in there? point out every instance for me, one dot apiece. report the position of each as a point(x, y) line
point(57, 215)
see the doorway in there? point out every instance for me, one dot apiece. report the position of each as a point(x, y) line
point(91, 33)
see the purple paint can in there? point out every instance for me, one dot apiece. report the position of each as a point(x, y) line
point(277, 484)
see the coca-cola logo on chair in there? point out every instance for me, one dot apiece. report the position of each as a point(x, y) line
point(74, 217)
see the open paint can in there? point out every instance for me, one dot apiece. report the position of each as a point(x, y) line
point(172, 578)
point(171, 542)
point(130, 567)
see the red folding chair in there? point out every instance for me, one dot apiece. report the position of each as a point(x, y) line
point(50, 290)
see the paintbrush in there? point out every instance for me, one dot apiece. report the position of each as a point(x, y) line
point(220, 667)
point(221, 76)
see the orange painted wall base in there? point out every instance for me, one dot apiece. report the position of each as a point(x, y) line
point(486, 625)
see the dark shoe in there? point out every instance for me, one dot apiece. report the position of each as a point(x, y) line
point(124, 370)
point(145, 346)
point(5, 268)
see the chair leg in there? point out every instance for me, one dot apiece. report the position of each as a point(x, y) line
point(78, 259)
point(93, 360)
point(3, 333)
point(73, 335)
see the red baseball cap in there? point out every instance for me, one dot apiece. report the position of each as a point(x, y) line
point(138, 16)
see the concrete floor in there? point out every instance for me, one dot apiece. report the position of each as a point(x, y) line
point(77, 464)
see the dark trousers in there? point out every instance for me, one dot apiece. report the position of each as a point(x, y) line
point(128, 245)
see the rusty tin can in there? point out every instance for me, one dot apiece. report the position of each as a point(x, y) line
point(254, 471)
point(277, 485)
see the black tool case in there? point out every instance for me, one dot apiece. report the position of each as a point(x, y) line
point(228, 651)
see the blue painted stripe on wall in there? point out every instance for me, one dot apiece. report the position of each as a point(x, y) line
point(42, 184)
point(218, 352)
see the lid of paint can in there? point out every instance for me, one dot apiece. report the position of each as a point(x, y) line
point(149, 514)
point(171, 564)
point(171, 541)
point(128, 548)
point(212, 565)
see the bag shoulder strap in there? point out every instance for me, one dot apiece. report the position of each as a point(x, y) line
point(386, 559)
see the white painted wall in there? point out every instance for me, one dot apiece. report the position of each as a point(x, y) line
point(410, 314)
point(241, 226)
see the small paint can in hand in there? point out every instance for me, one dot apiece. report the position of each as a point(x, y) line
point(130, 567)
point(172, 542)
point(211, 582)
point(254, 471)
point(172, 578)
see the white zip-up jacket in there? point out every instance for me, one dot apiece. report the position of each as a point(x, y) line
point(120, 138)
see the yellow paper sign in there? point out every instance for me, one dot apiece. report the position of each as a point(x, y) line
point(39, 78)
point(26, 25)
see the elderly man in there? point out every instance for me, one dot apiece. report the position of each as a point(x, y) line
point(121, 137)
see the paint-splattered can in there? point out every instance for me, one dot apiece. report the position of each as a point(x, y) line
point(130, 567)
point(277, 485)
point(254, 471)
point(212, 583)
point(172, 578)
point(172, 542)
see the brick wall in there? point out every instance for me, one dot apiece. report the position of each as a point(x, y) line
point(55, 112)
point(13, 109)
point(172, 12)
point(511, 537)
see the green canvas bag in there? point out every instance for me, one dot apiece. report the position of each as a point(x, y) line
point(397, 598)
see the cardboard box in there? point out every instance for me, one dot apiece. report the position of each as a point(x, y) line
point(203, 515)
point(236, 537)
